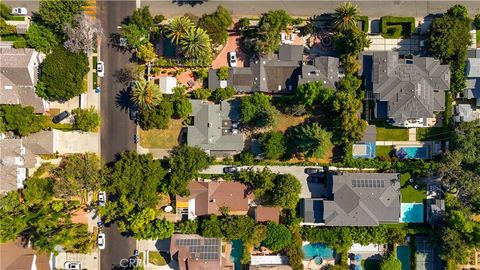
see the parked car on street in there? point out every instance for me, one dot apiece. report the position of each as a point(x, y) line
point(232, 59)
point(313, 170)
point(72, 265)
point(19, 11)
point(230, 169)
point(101, 241)
point(59, 117)
point(100, 69)
point(102, 198)
point(136, 138)
point(133, 113)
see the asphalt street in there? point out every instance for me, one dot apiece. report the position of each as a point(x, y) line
point(117, 129)
point(372, 8)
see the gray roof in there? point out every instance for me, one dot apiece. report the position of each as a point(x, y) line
point(465, 113)
point(435, 211)
point(363, 199)
point(212, 126)
point(18, 76)
point(14, 160)
point(40, 143)
point(472, 71)
point(266, 74)
point(413, 88)
point(312, 210)
point(324, 68)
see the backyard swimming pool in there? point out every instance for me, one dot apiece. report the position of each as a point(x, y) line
point(403, 254)
point(236, 253)
point(411, 213)
point(421, 152)
point(313, 250)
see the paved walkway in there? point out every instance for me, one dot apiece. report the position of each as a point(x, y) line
point(401, 143)
point(412, 134)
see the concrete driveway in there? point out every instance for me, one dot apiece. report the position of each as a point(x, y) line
point(309, 190)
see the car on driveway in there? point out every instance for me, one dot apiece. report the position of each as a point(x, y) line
point(232, 59)
point(313, 170)
point(72, 265)
point(230, 169)
point(19, 11)
point(316, 178)
point(100, 69)
point(102, 198)
point(101, 241)
point(61, 116)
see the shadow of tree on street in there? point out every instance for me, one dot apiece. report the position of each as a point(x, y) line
point(122, 100)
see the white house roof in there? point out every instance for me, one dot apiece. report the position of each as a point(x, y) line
point(167, 84)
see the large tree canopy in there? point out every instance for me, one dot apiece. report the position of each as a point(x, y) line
point(216, 24)
point(185, 164)
point(273, 144)
point(22, 120)
point(278, 237)
point(312, 140)
point(41, 38)
point(63, 74)
point(56, 13)
point(257, 111)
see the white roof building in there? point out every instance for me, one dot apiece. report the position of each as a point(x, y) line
point(167, 84)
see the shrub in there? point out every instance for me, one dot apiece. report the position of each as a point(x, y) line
point(364, 20)
point(223, 93)
point(86, 119)
point(222, 73)
point(20, 43)
point(278, 237)
point(201, 93)
point(245, 158)
point(22, 120)
point(397, 27)
point(476, 22)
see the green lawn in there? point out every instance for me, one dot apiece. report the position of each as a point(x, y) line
point(478, 38)
point(17, 18)
point(432, 134)
point(383, 150)
point(389, 133)
point(10, 38)
point(371, 264)
point(410, 194)
point(161, 138)
point(62, 127)
point(158, 258)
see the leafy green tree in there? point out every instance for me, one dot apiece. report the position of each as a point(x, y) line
point(260, 182)
point(86, 119)
point(211, 227)
point(22, 120)
point(237, 227)
point(38, 190)
point(6, 29)
point(390, 262)
point(178, 27)
point(62, 75)
point(216, 24)
point(134, 35)
point(259, 234)
point(286, 191)
point(202, 93)
point(351, 43)
point(465, 140)
point(458, 11)
point(145, 94)
point(273, 144)
point(146, 52)
point(476, 21)
point(244, 23)
point(222, 73)
point(182, 107)
point(223, 93)
point(271, 24)
point(245, 158)
point(196, 44)
point(56, 13)
point(20, 43)
point(158, 19)
point(278, 237)
point(142, 18)
point(157, 117)
point(144, 225)
point(312, 140)
point(41, 38)
point(312, 93)
point(257, 111)
point(77, 175)
point(188, 226)
point(185, 164)
point(5, 11)
point(345, 17)
point(348, 106)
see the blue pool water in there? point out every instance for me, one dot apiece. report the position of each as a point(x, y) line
point(416, 152)
point(313, 250)
point(236, 253)
point(411, 213)
point(403, 254)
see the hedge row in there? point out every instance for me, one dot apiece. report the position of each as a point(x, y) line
point(364, 20)
point(397, 27)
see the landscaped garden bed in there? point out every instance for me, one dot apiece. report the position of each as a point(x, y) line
point(397, 27)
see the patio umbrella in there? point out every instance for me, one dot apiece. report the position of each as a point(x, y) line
point(358, 257)
point(401, 154)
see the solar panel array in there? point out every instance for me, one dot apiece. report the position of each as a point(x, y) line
point(368, 183)
point(209, 250)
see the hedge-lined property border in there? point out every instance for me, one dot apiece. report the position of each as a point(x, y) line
point(364, 20)
point(397, 27)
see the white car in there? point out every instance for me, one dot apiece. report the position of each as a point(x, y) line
point(100, 69)
point(101, 241)
point(19, 11)
point(232, 59)
point(102, 198)
point(73, 265)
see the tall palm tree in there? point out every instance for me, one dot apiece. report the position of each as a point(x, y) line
point(345, 17)
point(145, 94)
point(195, 44)
point(178, 27)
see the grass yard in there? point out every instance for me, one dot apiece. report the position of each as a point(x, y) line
point(284, 121)
point(158, 258)
point(388, 133)
point(62, 127)
point(410, 194)
point(432, 134)
point(383, 150)
point(161, 138)
point(478, 38)
point(17, 18)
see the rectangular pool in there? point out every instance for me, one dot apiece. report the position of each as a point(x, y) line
point(403, 254)
point(411, 212)
point(422, 152)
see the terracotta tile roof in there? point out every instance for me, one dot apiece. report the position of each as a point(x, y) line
point(264, 213)
point(13, 256)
